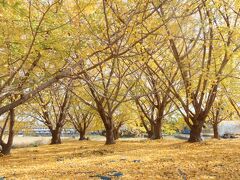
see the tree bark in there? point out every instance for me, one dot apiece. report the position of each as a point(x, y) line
point(157, 131)
point(110, 136)
point(150, 133)
point(195, 134)
point(56, 136)
point(148, 130)
point(6, 147)
point(109, 127)
point(215, 131)
point(116, 133)
point(82, 136)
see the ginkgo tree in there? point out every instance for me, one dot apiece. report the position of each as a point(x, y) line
point(51, 107)
point(22, 35)
point(220, 111)
point(152, 93)
point(81, 117)
point(109, 83)
point(203, 41)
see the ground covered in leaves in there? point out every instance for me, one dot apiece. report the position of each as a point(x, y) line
point(164, 159)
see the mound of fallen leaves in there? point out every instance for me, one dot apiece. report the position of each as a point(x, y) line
point(164, 159)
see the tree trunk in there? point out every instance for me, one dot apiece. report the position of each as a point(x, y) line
point(6, 147)
point(116, 133)
point(109, 136)
point(56, 136)
point(157, 131)
point(150, 134)
point(195, 134)
point(82, 136)
point(215, 131)
point(148, 130)
point(109, 127)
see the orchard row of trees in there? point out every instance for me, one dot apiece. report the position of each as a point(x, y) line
point(93, 60)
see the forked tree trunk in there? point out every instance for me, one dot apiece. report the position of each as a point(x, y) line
point(195, 134)
point(215, 131)
point(56, 136)
point(6, 147)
